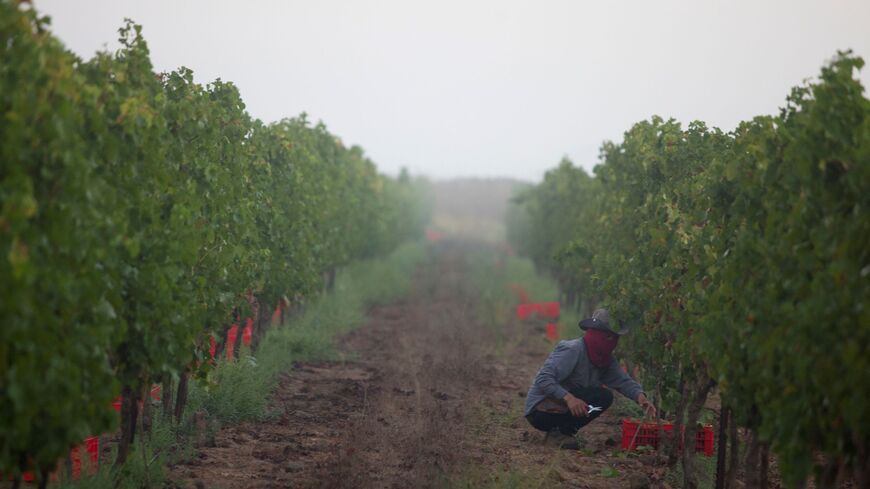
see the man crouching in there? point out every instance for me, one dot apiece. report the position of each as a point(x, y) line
point(567, 392)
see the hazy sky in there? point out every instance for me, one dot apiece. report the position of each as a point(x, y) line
point(490, 88)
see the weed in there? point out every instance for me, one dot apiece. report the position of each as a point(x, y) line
point(582, 442)
point(625, 408)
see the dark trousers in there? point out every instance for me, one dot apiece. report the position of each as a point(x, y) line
point(567, 423)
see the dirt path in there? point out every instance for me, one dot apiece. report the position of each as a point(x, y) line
point(422, 399)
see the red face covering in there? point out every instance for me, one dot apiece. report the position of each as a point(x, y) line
point(600, 346)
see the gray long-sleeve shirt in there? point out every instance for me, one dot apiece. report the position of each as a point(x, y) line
point(569, 367)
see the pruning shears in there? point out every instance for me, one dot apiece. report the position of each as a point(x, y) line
point(591, 409)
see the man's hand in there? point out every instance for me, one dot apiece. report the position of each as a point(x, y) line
point(578, 407)
point(648, 408)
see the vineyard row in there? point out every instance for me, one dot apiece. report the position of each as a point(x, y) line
point(740, 259)
point(140, 213)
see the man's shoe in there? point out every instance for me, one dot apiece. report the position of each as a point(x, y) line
point(557, 439)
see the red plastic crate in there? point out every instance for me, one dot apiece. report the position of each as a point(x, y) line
point(276, 316)
point(552, 331)
point(232, 334)
point(248, 332)
point(154, 393)
point(635, 434)
point(91, 447)
point(548, 310)
point(524, 311)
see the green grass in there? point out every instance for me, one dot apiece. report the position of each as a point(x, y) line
point(568, 321)
point(493, 274)
point(236, 391)
point(240, 390)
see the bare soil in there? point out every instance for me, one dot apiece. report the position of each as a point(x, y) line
point(423, 398)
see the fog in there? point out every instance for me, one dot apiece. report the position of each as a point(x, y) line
point(486, 88)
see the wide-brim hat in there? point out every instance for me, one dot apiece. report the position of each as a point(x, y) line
point(601, 320)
